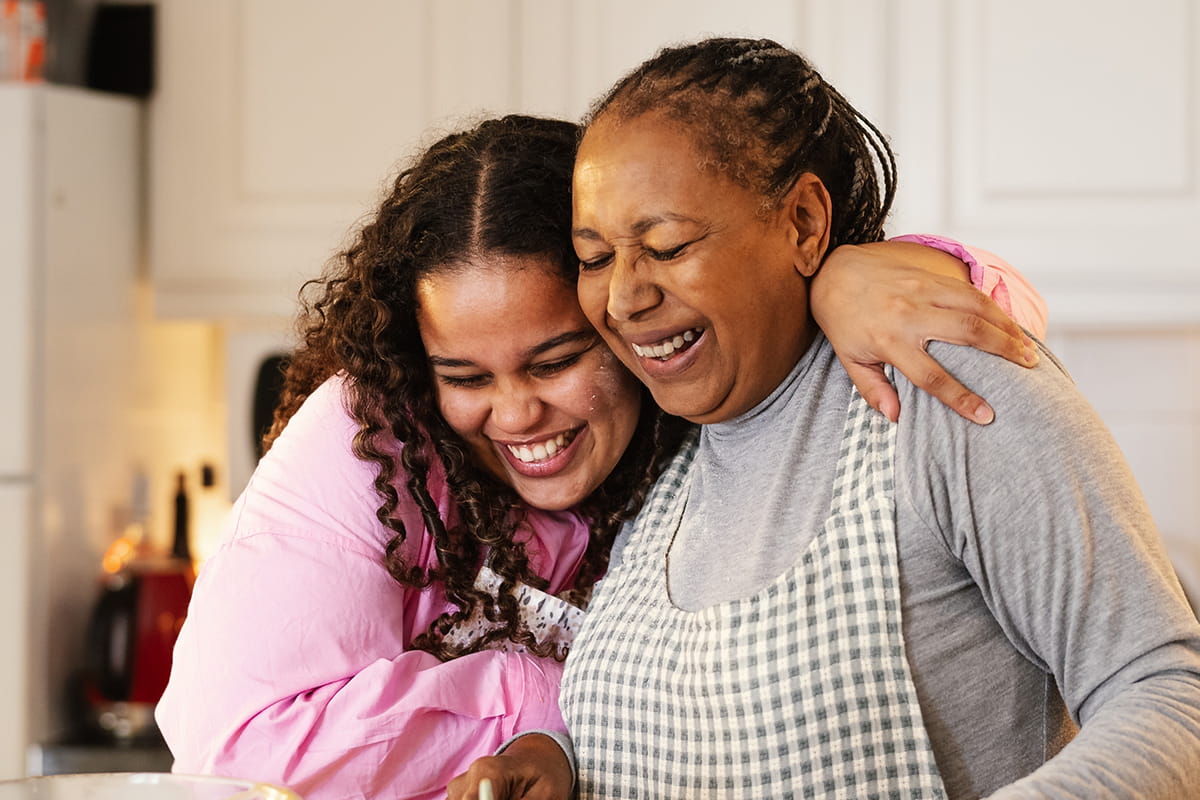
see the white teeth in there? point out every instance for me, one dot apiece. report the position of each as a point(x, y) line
point(666, 347)
point(541, 450)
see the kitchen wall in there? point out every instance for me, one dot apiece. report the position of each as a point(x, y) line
point(1144, 381)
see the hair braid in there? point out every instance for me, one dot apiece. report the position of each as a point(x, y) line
point(765, 116)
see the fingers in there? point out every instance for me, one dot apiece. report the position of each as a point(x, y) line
point(976, 321)
point(875, 388)
point(928, 375)
point(482, 781)
point(974, 331)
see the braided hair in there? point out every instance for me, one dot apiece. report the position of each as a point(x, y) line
point(501, 188)
point(764, 116)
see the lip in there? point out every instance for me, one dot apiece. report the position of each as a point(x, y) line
point(540, 469)
point(678, 363)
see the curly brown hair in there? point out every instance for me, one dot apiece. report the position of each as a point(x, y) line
point(501, 188)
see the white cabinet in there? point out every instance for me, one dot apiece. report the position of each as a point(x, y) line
point(70, 205)
point(1062, 134)
point(1070, 149)
point(275, 123)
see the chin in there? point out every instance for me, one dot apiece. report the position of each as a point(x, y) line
point(548, 499)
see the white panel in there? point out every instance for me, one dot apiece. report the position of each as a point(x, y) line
point(1146, 372)
point(614, 36)
point(848, 43)
point(472, 63)
point(1063, 128)
point(1165, 459)
point(1063, 136)
point(20, 174)
point(16, 506)
point(277, 125)
point(1070, 108)
point(329, 95)
point(918, 102)
point(546, 66)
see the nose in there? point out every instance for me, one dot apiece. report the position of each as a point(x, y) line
point(631, 288)
point(516, 406)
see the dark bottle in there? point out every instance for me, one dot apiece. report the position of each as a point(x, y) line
point(181, 546)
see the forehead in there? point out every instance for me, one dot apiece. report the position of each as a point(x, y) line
point(649, 142)
point(651, 167)
point(510, 301)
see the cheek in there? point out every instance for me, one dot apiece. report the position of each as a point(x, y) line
point(462, 412)
point(593, 299)
point(614, 397)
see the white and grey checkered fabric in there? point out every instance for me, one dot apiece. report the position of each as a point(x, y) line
point(802, 690)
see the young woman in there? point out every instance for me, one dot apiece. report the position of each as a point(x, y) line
point(814, 601)
point(456, 450)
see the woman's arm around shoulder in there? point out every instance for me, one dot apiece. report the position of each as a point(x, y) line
point(295, 663)
point(882, 303)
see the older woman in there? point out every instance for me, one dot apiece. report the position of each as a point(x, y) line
point(814, 601)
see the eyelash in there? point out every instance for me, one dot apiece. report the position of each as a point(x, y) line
point(666, 255)
point(555, 367)
point(657, 255)
point(595, 264)
point(538, 370)
point(462, 381)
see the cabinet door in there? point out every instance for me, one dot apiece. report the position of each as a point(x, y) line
point(276, 123)
point(20, 118)
point(1069, 149)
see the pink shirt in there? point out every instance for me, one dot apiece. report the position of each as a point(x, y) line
point(295, 664)
point(996, 278)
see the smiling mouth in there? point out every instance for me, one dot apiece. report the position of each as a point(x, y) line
point(530, 453)
point(668, 347)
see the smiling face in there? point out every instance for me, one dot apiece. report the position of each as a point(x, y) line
point(523, 378)
point(696, 283)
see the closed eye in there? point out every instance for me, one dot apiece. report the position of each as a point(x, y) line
point(667, 255)
point(463, 381)
point(600, 262)
point(549, 368)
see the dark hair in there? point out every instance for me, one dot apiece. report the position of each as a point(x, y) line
point(766, 117)
point(500, 188)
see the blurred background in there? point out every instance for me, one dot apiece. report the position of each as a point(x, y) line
point(171, 172)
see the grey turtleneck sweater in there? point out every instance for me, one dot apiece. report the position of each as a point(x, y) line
point(1034, 585)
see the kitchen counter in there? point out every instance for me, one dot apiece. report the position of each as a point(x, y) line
point(84, 755)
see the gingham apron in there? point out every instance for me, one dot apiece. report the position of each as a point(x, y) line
point(802, 690)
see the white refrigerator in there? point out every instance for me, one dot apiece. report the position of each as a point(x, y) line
point(70, 251)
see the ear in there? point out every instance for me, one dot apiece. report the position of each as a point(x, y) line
point(810, 212)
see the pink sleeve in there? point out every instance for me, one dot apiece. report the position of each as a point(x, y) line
point(996, 278)
point(294, 664)
point(292, 667)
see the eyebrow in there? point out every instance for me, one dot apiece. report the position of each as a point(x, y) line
point(567, 337)
point(638, 228)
